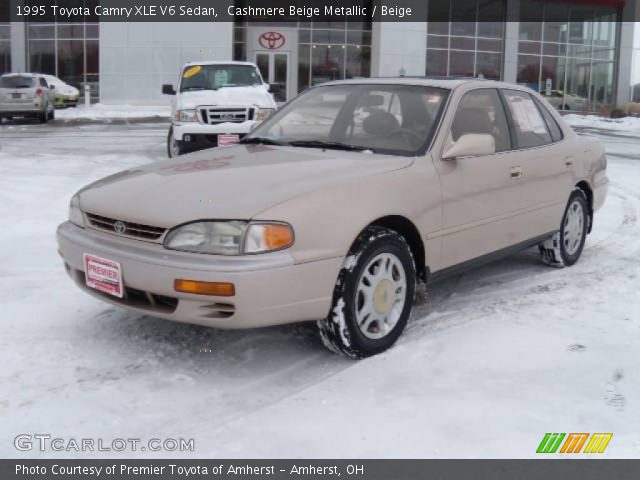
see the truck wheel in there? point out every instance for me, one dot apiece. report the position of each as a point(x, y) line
point(373, 296)
point(564, 248)
point(44, 116)
point(52, 114)
point(173, 147)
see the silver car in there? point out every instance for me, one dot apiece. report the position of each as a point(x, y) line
point(26, 95)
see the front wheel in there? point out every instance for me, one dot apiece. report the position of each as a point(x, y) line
point(173, 147)
point(373, 296)
point(564, 248)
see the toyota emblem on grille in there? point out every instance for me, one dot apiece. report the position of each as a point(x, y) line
point(119, 227)
point(272, 40)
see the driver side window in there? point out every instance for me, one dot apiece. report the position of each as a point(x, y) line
point(481, 112)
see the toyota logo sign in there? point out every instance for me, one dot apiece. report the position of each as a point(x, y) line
point(272, 40)
point(119, 227)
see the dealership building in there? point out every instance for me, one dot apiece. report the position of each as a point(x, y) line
point(584, 54)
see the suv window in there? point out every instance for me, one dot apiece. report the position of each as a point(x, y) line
point(529, 126)
point(16, 81)
point(554, 128)
point(481, 111)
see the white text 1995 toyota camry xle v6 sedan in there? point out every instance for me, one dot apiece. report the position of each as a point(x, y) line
point(336, 206)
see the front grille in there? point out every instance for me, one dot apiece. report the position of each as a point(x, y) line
point(215, 115)
point(133, 230)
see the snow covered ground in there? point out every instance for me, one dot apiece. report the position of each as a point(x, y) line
point(101, 111)
point(492, 361)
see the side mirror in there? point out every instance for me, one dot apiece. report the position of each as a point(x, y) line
point(168, 90)
point(52, 87)
point(274, 87)
point(471, 145)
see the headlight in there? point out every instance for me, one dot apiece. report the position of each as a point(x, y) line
point(263, 113)
point(230, 238)
point(75, 214)
point(186, 116)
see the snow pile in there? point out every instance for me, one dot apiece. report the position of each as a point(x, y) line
point(101, 111)
point(595, 121)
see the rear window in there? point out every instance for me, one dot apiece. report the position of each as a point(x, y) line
point(16, 82)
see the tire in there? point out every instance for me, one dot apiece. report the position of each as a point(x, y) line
point(380, 262)
point(564, 248)
point(52, 114)
point(44, 116)
point(173, 147)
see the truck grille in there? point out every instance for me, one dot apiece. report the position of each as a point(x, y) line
point(214, 115)
point(126, 229)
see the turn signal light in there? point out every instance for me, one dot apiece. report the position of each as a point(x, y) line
point(277, 236)
point(218, 289)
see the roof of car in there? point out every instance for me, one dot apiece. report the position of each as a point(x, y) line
point(219, 62)
point(21, 75)
point(438, 82)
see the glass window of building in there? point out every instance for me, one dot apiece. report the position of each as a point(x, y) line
point(461, 47)
point(5, 39)
point(569, 56)
point(69, 51)
point(325, 50)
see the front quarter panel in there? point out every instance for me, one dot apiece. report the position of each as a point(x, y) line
point(327, 221)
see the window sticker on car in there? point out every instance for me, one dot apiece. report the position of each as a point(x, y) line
point(221, 77)
point(192, 71)
point(527, 115)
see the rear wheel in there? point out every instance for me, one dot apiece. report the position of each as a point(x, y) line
point(43, 117)
point(564, 248)
point(373, 296)
point(173, 147)
point(52, 114)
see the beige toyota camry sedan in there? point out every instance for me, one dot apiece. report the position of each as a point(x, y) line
point(336, 206)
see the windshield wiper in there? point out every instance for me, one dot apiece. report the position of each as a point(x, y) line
point(197, 88)
point(327, 145)
point(261, 141)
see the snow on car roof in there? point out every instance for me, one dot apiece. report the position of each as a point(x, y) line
point(219, 62)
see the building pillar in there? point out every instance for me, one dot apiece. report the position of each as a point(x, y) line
point(628, 63)
point(398, 48)
point(511, 37)
point(18, 47)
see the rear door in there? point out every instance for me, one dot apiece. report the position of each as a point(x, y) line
point(547, 167)
point(481, 195)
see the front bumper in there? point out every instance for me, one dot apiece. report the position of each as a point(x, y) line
point(270, 288)
point(195, 128)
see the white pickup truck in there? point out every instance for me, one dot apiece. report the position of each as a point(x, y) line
point(216, 104)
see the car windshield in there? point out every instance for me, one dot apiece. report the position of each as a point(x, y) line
point(213, 77)
point(393, 119)
point(16, 81)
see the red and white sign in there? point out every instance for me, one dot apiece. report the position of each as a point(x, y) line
point(226, 140)
point(103, 275)
point(272, 40)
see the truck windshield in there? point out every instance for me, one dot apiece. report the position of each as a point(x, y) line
point(213, 77)
point(16, 81)
point(382, 118)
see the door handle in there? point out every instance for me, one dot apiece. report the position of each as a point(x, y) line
point(568, 162)
point(516, 172)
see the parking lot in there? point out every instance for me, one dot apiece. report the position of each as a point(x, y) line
point(505, 352)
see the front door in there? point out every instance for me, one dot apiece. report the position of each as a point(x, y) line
point(274, 68)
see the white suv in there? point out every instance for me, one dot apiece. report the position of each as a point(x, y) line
point(26, 95)
point(216, 104)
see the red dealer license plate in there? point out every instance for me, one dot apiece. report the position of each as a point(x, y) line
point(103, 275)
point(224, 140)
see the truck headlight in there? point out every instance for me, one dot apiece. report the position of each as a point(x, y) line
point(263, 113)
point(75, 214)
point(186, 116)
point(230, 237)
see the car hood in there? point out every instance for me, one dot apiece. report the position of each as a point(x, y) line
point(226, 97)
point(226, 183)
